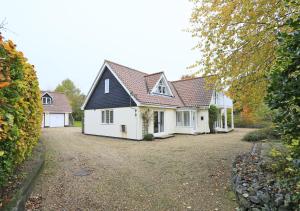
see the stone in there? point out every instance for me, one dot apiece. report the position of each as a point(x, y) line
point(245, 184)
point(244, 203)
point(263, 196)
point(246, 195)
point(254, 199)
point(278, 199)
point(239, 189)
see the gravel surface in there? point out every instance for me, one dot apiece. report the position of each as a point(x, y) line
point(95, 173)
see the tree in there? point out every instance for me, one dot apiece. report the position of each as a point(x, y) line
point(237, 39)
point(74, 95)
point(187, 76)
point(284, 89)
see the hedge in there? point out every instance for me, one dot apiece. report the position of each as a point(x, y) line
point(20, 109)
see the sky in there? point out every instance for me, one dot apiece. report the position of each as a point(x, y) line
point(71, 38)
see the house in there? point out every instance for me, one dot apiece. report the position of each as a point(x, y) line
point(56, 109)
point(127, 103)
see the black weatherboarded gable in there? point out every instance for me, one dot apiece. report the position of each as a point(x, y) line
point(117, 96)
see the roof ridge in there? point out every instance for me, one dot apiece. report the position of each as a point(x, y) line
point(54, 92)
point(125, 66)
point(191, 78)
point(160, 72)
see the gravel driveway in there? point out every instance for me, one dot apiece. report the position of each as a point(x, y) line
point(96, 173)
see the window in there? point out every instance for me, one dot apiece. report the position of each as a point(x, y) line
point(47, 100)
point(107, 116)
point(162, 88)
point(202, 117)
point(183, 118)
point(106, 86)
point(103, 116)
point(111, 117)
point(186, 118)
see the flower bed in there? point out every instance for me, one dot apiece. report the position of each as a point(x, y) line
point(255, 188)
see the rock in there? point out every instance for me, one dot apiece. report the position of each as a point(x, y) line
point(239, 189)
point(246, 195)
point(245, 184)
point(244, 203)
point(254, 199)
point(278, 199)
point(283, 208)
point(263, 196)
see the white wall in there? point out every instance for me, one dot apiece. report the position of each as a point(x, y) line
point(202, 125)
point(47, 119)
point(67, 119)
point(122, 116)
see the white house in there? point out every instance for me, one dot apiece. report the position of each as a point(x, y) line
point(127, 103)
point(56, 109)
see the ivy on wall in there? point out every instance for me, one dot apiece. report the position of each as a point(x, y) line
point(20, 109)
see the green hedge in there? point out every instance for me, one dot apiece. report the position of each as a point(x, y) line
point(20, 109)
point(262, 134)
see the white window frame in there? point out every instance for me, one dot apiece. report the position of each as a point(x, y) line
point(46, 100)
point(180, 117)
point(162, 84)
point(107, 116)
point(106, 86)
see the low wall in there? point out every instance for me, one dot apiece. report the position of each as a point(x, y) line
point(254, 189)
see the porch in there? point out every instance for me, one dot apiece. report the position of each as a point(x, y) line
point(225, 122)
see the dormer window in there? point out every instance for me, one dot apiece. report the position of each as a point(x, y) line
point(162, 88)
point(47, 100)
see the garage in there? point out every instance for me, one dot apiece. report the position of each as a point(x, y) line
point(57, 120)
point(57, 110)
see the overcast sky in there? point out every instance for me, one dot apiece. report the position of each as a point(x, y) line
point(71, 38)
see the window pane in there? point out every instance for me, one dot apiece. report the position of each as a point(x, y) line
point(179, 118)
point(107, 116)
point(103, 117)
point(111, 118)
point(106, 86)
point(186, 118)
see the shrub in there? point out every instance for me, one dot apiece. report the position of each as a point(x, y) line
point(258, 135)
point(20, 110)
point(148, 137)
point(213, 114)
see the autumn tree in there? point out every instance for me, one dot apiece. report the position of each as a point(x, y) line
point(187, 76)
point(237, 39)
point(74, 95)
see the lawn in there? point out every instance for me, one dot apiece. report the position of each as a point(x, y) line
point(77, 124)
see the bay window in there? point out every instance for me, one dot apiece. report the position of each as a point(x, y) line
point(183, 118)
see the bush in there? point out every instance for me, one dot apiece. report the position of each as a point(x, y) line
point(213, 113)
point(148, 137)
point(20, 110)
point(258, 135)
point(240, 122)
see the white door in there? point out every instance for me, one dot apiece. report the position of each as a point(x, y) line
point(159, 121)
point(57, 120)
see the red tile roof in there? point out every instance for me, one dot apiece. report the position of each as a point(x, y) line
point(152, 79)
point(194, 92)
point(186, 92)
point(60, 103)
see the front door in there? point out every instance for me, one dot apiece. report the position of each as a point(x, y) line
point(159, 121)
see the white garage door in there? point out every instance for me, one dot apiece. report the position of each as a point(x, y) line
point(57, 120)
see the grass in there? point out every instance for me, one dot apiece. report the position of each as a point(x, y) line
point(77, 124)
